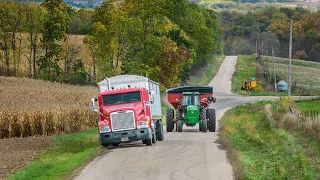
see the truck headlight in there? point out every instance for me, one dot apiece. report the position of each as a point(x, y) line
point(104, 129)
point(143, 124)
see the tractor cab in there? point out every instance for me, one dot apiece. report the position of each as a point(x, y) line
point(192, 108)
point(190, 98)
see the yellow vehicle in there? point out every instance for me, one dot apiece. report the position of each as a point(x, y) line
point(248, 85)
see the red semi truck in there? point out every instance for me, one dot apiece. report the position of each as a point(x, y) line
point(129, 109)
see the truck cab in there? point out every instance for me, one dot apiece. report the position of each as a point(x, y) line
point(128, 113)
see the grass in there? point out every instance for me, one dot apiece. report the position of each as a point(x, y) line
point(245, 69)
point(35, 107)
point(65, 155)
point(204, 75)
point(305, 76)
point(308, 105)
point(259, 151)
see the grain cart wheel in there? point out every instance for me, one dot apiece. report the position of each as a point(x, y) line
point(179, 125)
point(170, 116)
point(204, 120)
point(211, 115)
point(160, 134)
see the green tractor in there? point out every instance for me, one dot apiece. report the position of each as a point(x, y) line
point(191, 108)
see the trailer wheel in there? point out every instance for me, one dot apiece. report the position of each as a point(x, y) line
point(179, 125)
point(170, 116)
point(211, 115)
point(160, 134)
point(203, 120)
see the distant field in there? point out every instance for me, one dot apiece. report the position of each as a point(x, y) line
point(34, 107)
point(305, 76)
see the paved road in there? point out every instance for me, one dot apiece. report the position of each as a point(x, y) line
point(188, 155)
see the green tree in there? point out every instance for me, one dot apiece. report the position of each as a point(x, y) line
point(54, 30)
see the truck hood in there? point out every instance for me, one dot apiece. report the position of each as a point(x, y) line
point(136, 107)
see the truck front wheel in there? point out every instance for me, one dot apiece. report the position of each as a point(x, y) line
point(170, 116)
point(147, 142)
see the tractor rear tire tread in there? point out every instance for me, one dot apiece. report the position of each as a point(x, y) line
point(211, 115)
point(203, 124)
point(170, 117)
point(179, 125)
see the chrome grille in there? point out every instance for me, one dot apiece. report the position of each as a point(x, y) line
point(123, 120)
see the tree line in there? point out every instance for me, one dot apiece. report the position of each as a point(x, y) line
point(268, 29)
point(160, 39)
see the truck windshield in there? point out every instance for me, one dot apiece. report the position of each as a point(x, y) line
point(121, 98)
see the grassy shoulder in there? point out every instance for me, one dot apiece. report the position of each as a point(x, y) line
point(257, 150)
point(63, 157)
point(204, 75)
point(308, 105)
point(304, 76)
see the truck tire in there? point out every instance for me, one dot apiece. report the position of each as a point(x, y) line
point(179, 125)
point(160, 134)
point(154, 138)
point(170, 117)
point(211, 115)
point(148, 142)
point(203, 125)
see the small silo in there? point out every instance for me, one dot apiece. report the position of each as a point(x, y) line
point(282, 86)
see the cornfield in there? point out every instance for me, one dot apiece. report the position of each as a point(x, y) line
point(34, 107)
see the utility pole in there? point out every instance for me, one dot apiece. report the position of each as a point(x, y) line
point(290, 52)
point(274, 72)
point(261, 52)
point(267, 70)
point(257, 49)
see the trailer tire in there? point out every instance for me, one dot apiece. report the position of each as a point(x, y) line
point(170, 117)
point(211, 115)
point(179, 125)
point(203, 118)
point(160, 134)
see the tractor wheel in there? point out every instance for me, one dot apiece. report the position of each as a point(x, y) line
point(160, 134)
point(211, 115)
point(179, 125)
point(204, 120)
point(170, 116)
point(178, 118)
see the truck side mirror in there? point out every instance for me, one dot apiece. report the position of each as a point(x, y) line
point(93, 106)
point(148, 104)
